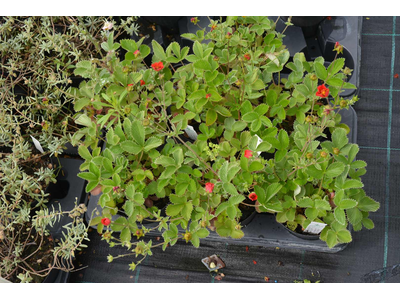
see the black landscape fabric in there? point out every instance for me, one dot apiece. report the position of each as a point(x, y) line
point(373, 256)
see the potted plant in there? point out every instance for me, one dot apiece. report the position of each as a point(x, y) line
point(254, 131)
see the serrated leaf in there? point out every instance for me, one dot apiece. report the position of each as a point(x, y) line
point(344, 236)
point(158, 50)
point(340, 216)
point(174, 209)
point(334, 170)
point(320, 71)
point(368, 223)
point(368, 204)
point(347, 203)
point(336, 66)
point(131, 147)
point(331, 239)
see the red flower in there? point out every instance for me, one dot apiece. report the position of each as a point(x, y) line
point(157, 66)
point(105, 221)
point(131, 84)
point(247, 56)
point(253, 196)
point(213, 27)
point(396, 75)
point(254, 262)
point(142, 82)
point(248, 153)
point(323, 91)
point(208, 96)
point(209, 187)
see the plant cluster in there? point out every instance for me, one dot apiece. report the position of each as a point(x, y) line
point(220, 135)
point(37, 56)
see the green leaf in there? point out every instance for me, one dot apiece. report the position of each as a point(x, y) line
point(354, 215)
point(138, 132)
point(202, 233)
point(320, 70)
point(230, 188)
point(334, 170)
point(368, 223)
point(223, 172)
point(88, 176)
point(119, 224)
point(174, 209)
point(344, 236)
point(199, 94)
point(158, 50)
point(335, 82)
point(256, 166)
point(152, 143)
point(347, 203)
point(336, 66)
point(198, 49)
point(368, 204)
point(211, 117)
point(165, 161)
point(339, 138)
point(130, 191)
point(91, 185)
point(272, 190)
point(306, 202)
point(311, 213)
point(283, 139)
point(340, 216)
point(130, 147)
point(125, 235)
point(203, 64)
point(331, 240)
point(187, 210)
point(352, 184)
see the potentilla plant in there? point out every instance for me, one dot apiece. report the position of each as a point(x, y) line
point(216, 136)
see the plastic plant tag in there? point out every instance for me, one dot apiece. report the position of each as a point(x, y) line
point(191, 132)
point(315, 227)
point(213, 263)
point(37, 144)
point(259, 141)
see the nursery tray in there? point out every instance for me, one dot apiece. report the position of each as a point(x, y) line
point(345, 30)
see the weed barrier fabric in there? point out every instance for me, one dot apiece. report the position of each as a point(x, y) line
point(372, 256)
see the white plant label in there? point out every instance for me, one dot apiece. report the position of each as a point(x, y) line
point(191, 132)
point(37, 144)
point(259, 141)
point(315, 227)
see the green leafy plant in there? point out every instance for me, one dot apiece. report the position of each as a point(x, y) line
point(219, 137)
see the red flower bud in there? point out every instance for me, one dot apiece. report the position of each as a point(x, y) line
point(248, 153)
point(247, 56)
point(136, 53)
point(105, 221)
point(209, 187)
point(253, 196)
point(142, 82)
point(157, 66)
point(208, 96)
